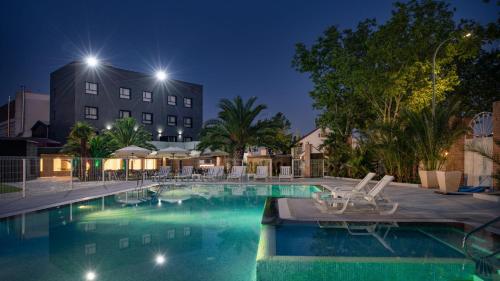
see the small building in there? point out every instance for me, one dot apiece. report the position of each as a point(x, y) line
point(24, 111)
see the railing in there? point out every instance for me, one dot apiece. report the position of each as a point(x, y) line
point(25, 176)
point(484, 265)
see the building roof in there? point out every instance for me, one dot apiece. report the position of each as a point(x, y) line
point(145, 75)
point(308, 134)
point(4, 110)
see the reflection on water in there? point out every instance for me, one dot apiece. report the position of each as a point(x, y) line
point(367, 239)
point(203, 232)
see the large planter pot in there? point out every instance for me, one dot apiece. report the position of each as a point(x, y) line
point(428, 179)
point(449, 181)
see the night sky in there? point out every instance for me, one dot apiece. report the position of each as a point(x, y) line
point(230, 48)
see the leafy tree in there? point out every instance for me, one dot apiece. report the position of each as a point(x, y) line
point(126, 132)
point(366, 77)
point(78, 140)
point(282, 140)
point(479, 84)
point(236, 128)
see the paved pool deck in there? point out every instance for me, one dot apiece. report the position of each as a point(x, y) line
point(416, 204)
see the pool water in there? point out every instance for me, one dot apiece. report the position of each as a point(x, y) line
point(351, 239)
point(199, 232)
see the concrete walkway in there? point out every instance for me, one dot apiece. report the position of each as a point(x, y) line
point(15, 206)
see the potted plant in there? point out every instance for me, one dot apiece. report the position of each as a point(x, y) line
point(433, 134)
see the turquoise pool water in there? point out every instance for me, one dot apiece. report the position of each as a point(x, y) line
point(199, 232)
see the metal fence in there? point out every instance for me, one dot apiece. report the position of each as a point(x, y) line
point(24, 176)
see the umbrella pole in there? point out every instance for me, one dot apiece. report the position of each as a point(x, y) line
point(126, 169)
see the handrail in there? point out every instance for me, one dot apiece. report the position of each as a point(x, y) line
point(483, 226)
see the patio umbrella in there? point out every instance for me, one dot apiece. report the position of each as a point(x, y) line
point(132, 151)
point(215, 153)
point(173, 153)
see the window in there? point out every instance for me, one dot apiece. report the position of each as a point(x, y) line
point(188, 102)
point(125, 114)
point(90, 88)
point(147, 118)
point(188, 122)
point(147, 96)
point(125, 93)
point(188, 139)
point(172, 120)
point(91, 113)
point(168, 138)
point(172, 100)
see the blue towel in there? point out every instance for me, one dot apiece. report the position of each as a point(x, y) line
point(472, 189)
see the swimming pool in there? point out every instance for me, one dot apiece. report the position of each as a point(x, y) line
point(198, 232)
point(214, 232)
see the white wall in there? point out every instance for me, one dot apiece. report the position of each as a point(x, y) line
point(475, 165)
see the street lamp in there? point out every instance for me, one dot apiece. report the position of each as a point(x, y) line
point(434, 71)
point(92, 61)
point(161, 75)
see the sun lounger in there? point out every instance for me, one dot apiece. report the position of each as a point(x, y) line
point(261, 173)
point(358, 199)
point(285, 173)
point(343, 191)
point(237, 172)
point(186, 173)
point(162, 174)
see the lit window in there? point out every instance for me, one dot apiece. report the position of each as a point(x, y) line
point(147, 96)
point(91, 113)
point(90, 88)
point(188, 102)
point(172, 120)
point(125, 93)
point(172, 100)
point(147, 118)
point(188, 139)
point(125, 113)
point(188, 122)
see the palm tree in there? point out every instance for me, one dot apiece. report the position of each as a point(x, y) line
point(434, 134)
point(236, 128)
point(79, 136)
point(126, 132)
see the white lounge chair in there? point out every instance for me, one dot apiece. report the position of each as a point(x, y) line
point(163, 173)
point(285, 173)
point(211, 173)
point(343, 191)
point(356, 199)
point(186, 173)
point(261, 173)
point(237, 172)
point(219, 172)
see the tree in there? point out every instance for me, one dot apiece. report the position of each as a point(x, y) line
point(236, 128)
point(100, 146)
point(78, 140)
point(126, 132)
point(282, 140)
point(366, 77)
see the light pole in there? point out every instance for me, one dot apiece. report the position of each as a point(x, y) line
point(434, 71)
